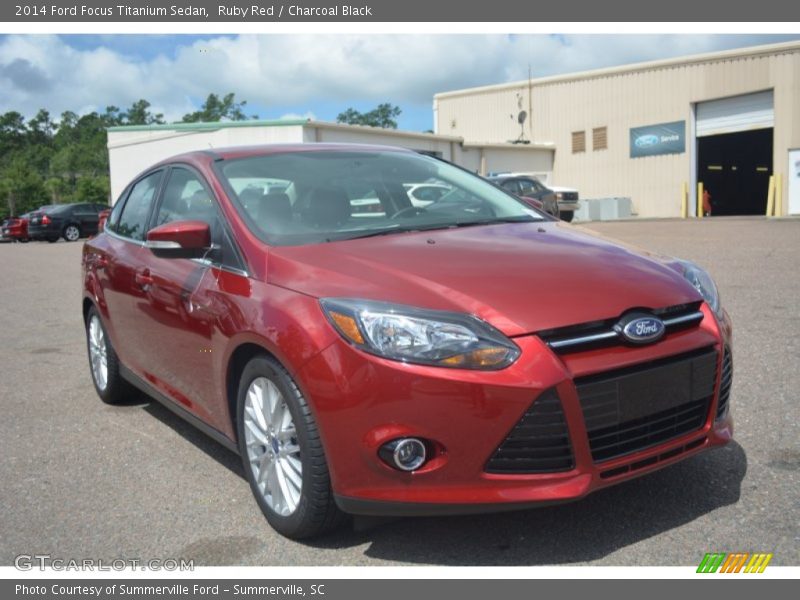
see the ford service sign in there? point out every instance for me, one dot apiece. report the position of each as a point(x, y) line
point(664, 138)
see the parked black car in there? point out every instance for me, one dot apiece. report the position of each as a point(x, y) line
point(521, 185)
point(70, 221)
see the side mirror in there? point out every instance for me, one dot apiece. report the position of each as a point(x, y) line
point(180, 239)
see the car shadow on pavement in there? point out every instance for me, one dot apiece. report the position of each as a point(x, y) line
point(190, 433)
point(586, 530)
point(575, 532)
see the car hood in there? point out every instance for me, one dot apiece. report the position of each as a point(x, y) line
point(521, 278)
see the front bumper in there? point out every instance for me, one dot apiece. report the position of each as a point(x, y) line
point(361, 402)
point(568, 205)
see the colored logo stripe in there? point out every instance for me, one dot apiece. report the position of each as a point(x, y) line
point(711, 562)
point(758, 563)
point(734, 562)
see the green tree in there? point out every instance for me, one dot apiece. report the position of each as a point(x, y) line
point(139, 114)
point(216, 109)
point(383, 116)
point(21, 187)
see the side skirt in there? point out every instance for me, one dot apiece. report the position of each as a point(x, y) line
point(171, 405)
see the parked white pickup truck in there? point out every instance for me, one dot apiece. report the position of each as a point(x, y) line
point(567, 201)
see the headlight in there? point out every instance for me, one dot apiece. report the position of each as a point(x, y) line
point(703, 283)
point(414, 335)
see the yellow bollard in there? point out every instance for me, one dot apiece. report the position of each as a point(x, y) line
point(699, 199)
point(685, 200)
point(778, 195)
point(771, 196)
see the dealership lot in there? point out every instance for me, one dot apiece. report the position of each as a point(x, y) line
point(85, 480)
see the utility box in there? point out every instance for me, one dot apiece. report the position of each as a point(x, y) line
point(604, 209)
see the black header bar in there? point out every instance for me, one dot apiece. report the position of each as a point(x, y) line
point(442, 11)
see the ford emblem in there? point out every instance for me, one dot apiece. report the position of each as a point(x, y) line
point(640, 329)
point(645, 141)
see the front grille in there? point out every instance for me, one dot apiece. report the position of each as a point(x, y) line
point(636, 408)
point(599, 334)
point(539, 442)
point(726, 381)
point(653, 460)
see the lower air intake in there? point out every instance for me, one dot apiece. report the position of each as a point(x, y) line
point(726, 381)
point(539, 442)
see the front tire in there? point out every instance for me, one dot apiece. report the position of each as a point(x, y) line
point(104, 363)
point(282, 452)
point(567, 215)
point(71, 233)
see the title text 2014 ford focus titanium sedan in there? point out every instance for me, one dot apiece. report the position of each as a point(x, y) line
point(470, 355)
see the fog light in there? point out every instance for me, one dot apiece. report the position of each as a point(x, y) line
point(406, 454)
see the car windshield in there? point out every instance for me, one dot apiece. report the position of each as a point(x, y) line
point(314, 196)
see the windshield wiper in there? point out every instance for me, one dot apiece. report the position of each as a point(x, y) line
point(391, 230)
point(497, 220)
point(433, 227)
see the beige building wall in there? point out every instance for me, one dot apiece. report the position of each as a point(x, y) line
point(133, 149)
point(625, 97)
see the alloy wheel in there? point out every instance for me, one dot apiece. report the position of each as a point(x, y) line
point(72, 233)
point(272, 447)
point(98, 352)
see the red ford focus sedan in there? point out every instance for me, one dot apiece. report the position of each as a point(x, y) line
point(470, 355)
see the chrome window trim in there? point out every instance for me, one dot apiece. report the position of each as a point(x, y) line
point(209, 263)
point(130, 240)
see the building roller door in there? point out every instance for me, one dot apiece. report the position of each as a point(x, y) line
point(737, 113)
point(734, 152)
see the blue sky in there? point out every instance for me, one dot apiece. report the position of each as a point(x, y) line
point(307, 75)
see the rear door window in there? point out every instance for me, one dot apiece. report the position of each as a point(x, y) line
point(526, 186)
point(511, 186)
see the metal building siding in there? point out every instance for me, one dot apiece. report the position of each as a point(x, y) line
point(624, 99)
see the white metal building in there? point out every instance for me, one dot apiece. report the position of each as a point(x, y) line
point(132, 149)
point(647, 131)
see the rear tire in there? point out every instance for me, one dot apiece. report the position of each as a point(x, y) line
point(104, 364)
point(567, 215)
point(282, 453)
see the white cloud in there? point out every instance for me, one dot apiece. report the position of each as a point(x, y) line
point(293, 115)
point(299, 72)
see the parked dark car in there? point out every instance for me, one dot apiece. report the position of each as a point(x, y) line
point(469, 355)
point(528, 187)
point(70, 221)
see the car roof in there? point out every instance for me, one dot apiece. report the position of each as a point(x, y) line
point(233, 152)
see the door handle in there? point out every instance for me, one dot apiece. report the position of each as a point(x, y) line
point(143, 279)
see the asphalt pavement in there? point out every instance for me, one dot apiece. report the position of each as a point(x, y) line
point(80, 479)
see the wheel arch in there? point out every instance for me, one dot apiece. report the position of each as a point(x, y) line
point(88, 303)
point(237, 361)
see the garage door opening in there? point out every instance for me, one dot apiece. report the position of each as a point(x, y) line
point(735, 169)
point(734, 151)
